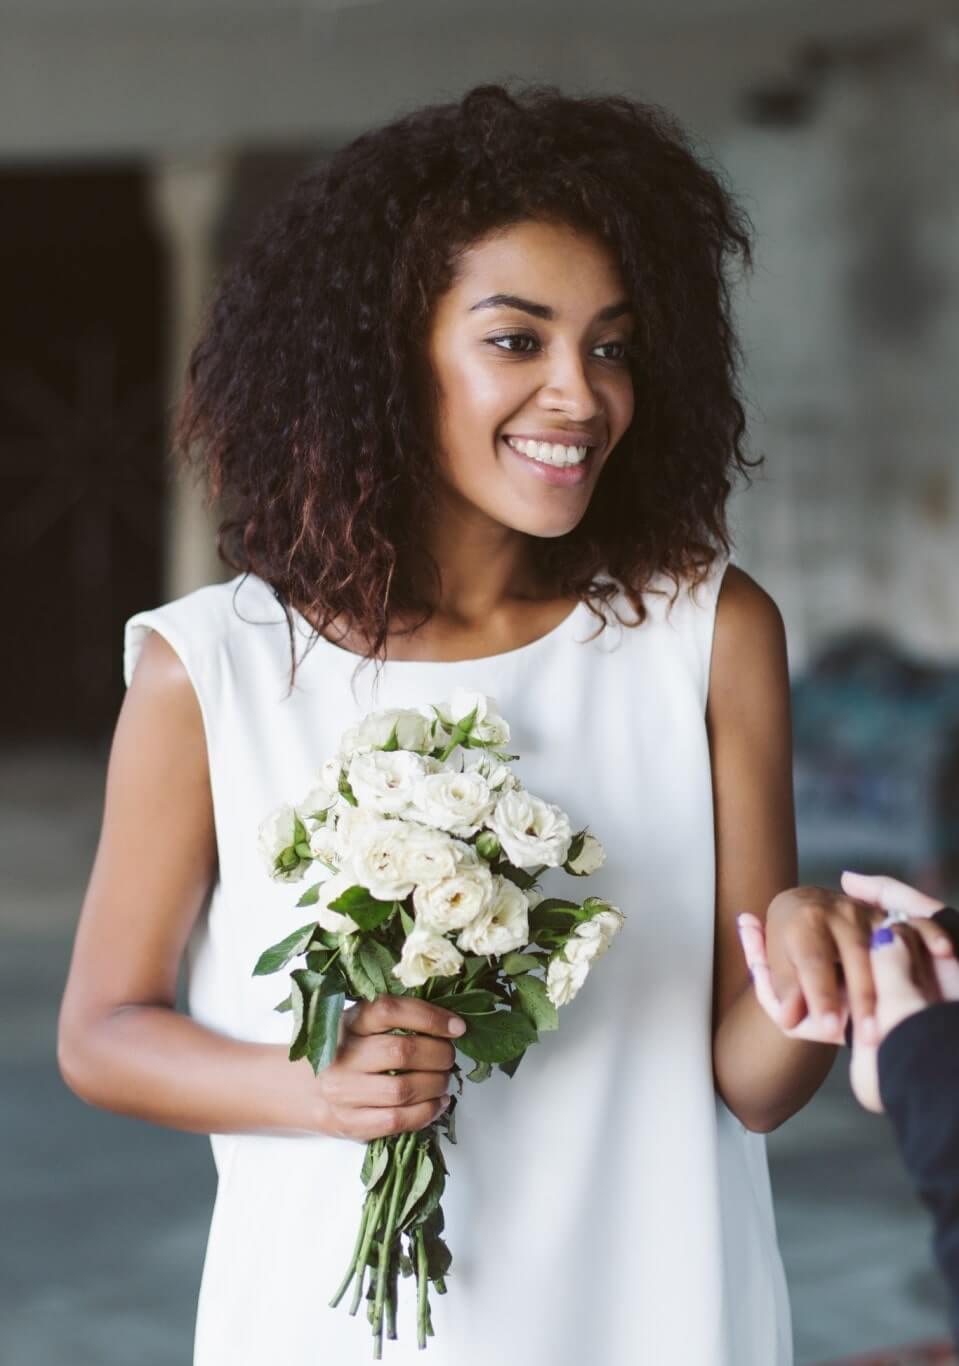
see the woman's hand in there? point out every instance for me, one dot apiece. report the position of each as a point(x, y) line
point(361, 1099)
point(811, 965)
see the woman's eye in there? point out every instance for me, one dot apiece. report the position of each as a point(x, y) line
point(623, 352)
point(511, 337)
point(624, 348)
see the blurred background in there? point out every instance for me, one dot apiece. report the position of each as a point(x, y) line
point(138, 142)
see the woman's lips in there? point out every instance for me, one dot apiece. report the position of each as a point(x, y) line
point(559, 476)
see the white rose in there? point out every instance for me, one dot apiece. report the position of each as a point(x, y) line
point(384, 779)
point(590, 857)
point(275, 835)
point(324, 847)
point(350, 820)
point(425, 855)
point(458, 802)
point(453, 902)
point(592, 938)
point(349, 744)
point(391, 857)
point(425, 955)
point(564, 979)
point(488, 726)
point(610, 921)
point(531, 831)
point(499, 776)
point(323, 795)
point(335, 921)
point(503, 927)
point(413, 730)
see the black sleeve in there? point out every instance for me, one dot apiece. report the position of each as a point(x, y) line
point(919, 1085)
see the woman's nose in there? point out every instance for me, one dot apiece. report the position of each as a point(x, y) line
point(569, 389)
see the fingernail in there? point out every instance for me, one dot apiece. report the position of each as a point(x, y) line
point(880, 937)
point(457, 1027)
point(869, 1029)
point(445, 1102)
point(830, 1021)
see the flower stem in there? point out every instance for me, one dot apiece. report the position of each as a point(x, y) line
point(422, 1289)
point(368, 1204)
point(370, 1231)
point(404, 1152)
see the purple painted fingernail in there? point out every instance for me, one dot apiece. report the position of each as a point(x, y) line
point(880, 937)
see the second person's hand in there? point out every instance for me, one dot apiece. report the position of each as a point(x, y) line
point(811, 963)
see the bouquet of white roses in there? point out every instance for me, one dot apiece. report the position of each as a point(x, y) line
point(427, 850)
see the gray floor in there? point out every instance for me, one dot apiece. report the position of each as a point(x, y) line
point(105, 1217)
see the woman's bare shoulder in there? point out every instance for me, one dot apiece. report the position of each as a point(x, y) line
point(749, 659)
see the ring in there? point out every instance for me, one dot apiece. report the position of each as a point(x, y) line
point(894, 918)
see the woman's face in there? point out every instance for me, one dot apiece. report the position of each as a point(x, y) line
point(531, 342)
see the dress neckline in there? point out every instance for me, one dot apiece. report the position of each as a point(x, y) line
point(332, 651)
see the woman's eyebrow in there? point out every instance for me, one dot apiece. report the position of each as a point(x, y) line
point(543, 310)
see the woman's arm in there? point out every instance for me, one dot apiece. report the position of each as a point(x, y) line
point(762, 1076)
point(122, 1045)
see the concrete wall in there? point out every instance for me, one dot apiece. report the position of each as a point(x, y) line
point(851, 326)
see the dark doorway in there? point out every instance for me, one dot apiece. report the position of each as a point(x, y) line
point(82, 438)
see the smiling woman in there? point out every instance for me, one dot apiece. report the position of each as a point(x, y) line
point(473, 380)
point(510, 266)
point(523, 413)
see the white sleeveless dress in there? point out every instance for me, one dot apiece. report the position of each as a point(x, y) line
point(604, 1207)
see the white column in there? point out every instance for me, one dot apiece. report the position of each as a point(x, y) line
point(188, 195)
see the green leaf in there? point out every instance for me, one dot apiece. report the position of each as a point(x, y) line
point(284, 1005)
point(575, 848)
point(272, 959)
point(366, 910)
point(327, 938)
point(392, 743)
point(496, 1037)
point(324, 1029)
point(535, 1002)
point(515, 963)
point(298, 1006)
point(510, 1066)
point(481, 1072)
point(357, 975)
point(434, 1192)
point(378, 963)
point(311, 895)
point(468, 1002)
point(375, 1163)
point(555, 903)
point(439, 1259)
point(555, 913)
point(346, 792)
point(523, 877)
point(307, 980)
point(473, 965)
point(303, 851)
point(421, 1179)
point(406, 920)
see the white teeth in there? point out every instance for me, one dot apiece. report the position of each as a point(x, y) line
point(548, 453)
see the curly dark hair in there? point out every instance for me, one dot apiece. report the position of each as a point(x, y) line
point(310, 407)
